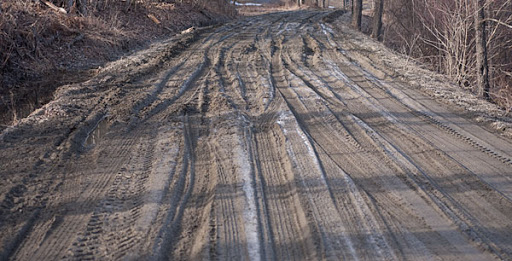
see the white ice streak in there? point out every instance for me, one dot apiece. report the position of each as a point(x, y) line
point(250, 211)
point(328, 32)
point(271, 89)
point(374, 239)
point(246, 4)
point(286, 118)
point(281, 30)
point(369, 101)
point(326, 28)
point(399, 95)
point(289, 27)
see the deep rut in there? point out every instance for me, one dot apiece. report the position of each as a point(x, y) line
point(268, 138)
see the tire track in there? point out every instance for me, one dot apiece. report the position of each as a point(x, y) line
point(57, 239)
point(391, 118)
point(299, 155)
point(272, 137)
point(178, 198)
point(310, 87)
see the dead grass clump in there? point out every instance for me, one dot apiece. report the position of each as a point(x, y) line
point(503, 96)
point(42, 48)
point(37, 45)
point(441, 34)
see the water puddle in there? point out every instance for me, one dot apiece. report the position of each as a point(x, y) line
point(99, 131)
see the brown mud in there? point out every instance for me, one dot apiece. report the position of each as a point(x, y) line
point(275, 137)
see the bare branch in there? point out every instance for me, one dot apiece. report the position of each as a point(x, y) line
point(498, 22)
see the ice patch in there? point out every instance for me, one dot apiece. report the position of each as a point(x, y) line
point(326, 29)
point(250, 211)
point(328, 32)
point(358, 90)
point(289, 27)
point(245, 4)
point(281, 121)
point(286, 118)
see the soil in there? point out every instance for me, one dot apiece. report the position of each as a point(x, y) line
point(280, 136)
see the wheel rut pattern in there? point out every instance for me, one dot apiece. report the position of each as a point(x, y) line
point(272, 137)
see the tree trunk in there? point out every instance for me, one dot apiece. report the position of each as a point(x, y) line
point(377, 19)
point(82, 6)
point(357, 14)
point(130, 4)
point(70, 6)
point(482, 74)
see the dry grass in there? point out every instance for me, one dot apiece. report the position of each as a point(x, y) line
point(441, 35)
point(41, 49)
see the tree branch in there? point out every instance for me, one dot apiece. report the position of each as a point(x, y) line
point(498, 22)
point(54, 7)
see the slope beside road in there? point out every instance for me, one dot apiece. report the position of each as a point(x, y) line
point(274, 137)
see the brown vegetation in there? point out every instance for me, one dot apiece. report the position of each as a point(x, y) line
point(442, 34)
point(44, 44)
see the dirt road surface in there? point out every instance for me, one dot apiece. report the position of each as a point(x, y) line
point(276, 137)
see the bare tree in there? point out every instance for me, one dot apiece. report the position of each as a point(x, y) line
point(468, 40)
point(320, 3)
point(77, 5)
point(357, 14)
point(377, 19)
point(482, 66)
point(131, 3)
point(82, 7)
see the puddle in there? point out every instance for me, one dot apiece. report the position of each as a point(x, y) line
point(98, 133)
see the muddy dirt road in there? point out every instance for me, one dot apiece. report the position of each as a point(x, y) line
point(271, 138)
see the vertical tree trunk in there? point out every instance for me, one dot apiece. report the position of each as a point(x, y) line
point(130, 4)
point(377, 19)
point(482, 74)
point(70, 6)
point(357, 14)
point(82, 7)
